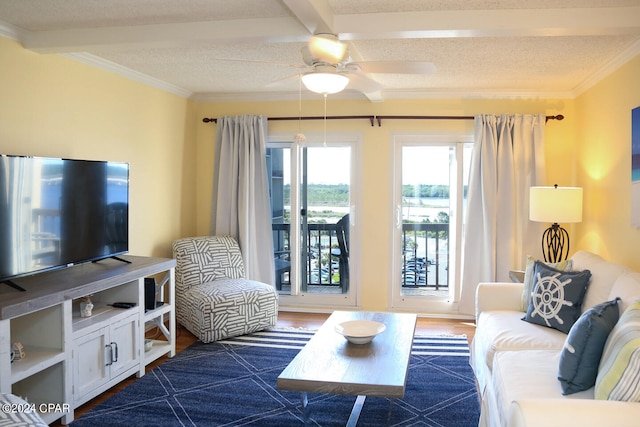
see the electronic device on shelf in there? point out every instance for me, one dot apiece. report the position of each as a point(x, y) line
point(151, 289)
point(60, 212)
point(123, 304)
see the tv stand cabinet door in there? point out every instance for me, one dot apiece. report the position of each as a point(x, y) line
point(124, 335)
point(90, 358)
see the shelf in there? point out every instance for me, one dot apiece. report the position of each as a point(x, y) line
point(160, 311)
point(46, 387)
point(159, 349)
point(36, 360)
point(101, 314)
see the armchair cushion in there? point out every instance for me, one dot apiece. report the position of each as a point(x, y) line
point(230, 307)
point(19, 418)
point(205, 259)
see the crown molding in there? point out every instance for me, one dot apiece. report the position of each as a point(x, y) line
point(114, 68)
point(618, 61)
point(475, 94)
point(17, 34)
point(387, 95)
point(11, 31)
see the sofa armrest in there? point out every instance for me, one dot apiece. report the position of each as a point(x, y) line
point(573, 412)
point(498, 296)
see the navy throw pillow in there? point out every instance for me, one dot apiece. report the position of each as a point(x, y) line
point(583, 348)
point(556, 297)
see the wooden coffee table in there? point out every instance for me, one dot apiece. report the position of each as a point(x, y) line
point(328, 363)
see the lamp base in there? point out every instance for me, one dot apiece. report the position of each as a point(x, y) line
point(555, 243)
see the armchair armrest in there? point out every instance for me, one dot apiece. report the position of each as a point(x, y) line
point(498, 296)
point(573, 412)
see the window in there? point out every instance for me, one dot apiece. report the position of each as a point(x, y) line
point(313, 214)
point(429, 193)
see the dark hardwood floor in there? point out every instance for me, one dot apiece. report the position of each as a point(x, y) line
point(184, 338)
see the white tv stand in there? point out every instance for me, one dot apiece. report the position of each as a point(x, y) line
point(70, 359)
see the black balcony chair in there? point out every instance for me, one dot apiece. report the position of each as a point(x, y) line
point(342, 233)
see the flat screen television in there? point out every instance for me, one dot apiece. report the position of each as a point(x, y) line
point(55, 213)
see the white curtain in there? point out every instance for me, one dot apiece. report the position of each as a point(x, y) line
point(241, 206)
point(507, 159)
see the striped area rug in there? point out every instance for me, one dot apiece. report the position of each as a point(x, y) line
point(233, 383)
point(436, 345)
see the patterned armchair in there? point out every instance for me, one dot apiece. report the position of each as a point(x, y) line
point(213, 299)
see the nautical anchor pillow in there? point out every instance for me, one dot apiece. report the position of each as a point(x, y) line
point(556, 297)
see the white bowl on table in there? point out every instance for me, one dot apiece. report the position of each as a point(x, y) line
point(360, 331)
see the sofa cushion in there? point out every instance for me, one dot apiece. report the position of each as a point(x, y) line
point(565, 265)
point(603, 276)
point(627, 288)
point(526, 375)
point(582, 350)
point(619, 371)
point(556, 298)
point(504, 331)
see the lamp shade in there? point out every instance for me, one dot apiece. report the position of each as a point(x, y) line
point(325, 83)
point(555, 204)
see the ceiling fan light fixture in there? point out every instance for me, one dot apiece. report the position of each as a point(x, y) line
point(325, 83)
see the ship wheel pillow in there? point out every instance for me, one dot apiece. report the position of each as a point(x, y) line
point(556, 297)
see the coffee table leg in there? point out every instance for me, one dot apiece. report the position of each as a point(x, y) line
point(306, 410)
point(355, 412)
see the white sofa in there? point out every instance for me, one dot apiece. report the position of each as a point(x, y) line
point(516, 362)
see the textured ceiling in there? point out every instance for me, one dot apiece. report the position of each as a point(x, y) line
point(250, 49)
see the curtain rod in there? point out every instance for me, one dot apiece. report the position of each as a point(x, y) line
point(378, 119)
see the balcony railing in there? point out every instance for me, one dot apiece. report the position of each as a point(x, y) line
point(425, 263)
point(322, 265)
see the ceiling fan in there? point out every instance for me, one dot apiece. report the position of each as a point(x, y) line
point(330, 68)
point(333, 69)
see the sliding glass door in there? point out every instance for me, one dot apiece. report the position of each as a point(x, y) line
point(430, 176)
point(312, 210)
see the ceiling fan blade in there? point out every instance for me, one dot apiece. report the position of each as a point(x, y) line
point(257, 61)
point(369, 87)
point(287, 82)
point(393, 67)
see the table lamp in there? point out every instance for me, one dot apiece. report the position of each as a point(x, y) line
point(555, 205)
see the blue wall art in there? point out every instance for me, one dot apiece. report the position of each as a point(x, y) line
point(635, 167)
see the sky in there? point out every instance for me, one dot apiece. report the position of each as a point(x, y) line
point(421, 165)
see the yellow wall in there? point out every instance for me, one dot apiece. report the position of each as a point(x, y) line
point(53, 106)
point(377, 167)
point(603, 153)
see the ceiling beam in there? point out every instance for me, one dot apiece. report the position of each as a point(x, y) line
point(489, 23)
point(272, 30)
point(315, 15)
